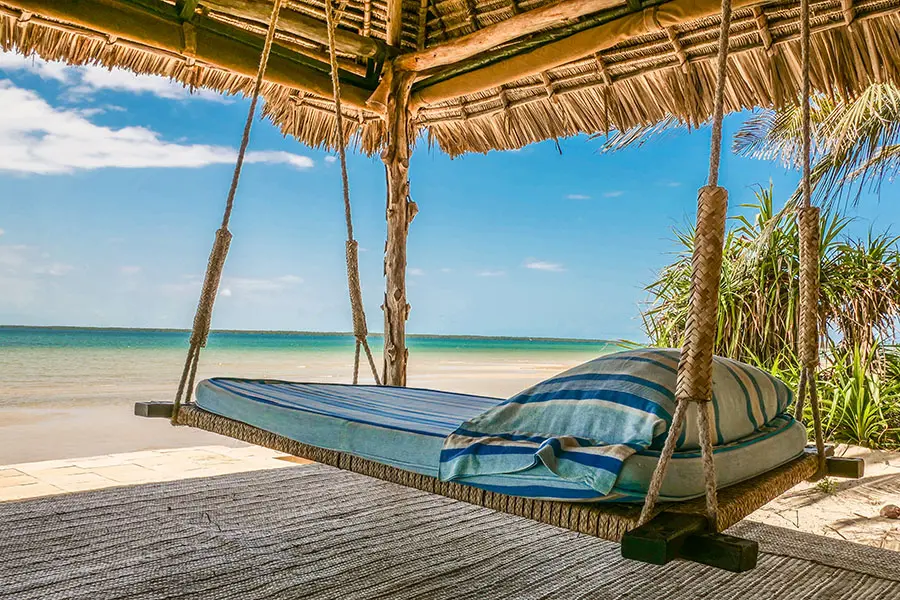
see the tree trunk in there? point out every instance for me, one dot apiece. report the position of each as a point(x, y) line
point(400, 213)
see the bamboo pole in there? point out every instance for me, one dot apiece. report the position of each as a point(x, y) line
point(400, 212)
point(467, 46)
point(302, 25)
point(157, 25)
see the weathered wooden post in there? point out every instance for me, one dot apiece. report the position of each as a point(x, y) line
point(400, 213)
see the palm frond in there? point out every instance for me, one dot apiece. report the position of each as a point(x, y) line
point(640, 135)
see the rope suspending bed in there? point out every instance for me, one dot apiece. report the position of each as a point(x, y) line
point(654, 533)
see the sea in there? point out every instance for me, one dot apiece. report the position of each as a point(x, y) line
point(68, 366)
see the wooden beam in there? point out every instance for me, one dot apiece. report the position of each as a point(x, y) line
point(541, 57)
point(467, 46)
point(156, 24)
point(302, 25)
point(673, 536)
point(186, 9)
point(394, 22)
point(400, 212)
point(422, 32)
point(762, 27)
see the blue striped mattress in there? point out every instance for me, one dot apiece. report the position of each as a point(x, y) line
point(406, 428)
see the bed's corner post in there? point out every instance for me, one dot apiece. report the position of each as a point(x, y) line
point(400, 213)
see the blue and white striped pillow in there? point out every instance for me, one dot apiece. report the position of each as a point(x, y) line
point(584, 423)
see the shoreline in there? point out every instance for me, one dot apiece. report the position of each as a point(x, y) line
point(289, 332)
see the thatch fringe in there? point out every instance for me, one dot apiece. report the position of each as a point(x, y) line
point(645, 79)
point(647, 82)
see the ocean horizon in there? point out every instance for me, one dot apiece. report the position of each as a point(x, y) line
point(129, 337)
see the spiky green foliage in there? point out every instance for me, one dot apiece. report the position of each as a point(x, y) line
point(758, 312)
point(856, 143)
point(759, 297)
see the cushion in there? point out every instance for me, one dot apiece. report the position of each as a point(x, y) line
point(584, 423)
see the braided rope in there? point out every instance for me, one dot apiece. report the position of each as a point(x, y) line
point(694, 384)
point(808, 220)
point(219, 252)
point(357, 308)
point(715, 145)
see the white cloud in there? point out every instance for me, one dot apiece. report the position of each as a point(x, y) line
point(92, 79)
point(578, 197)
point(55, 71)
point(415, 272)
point(13, 257)
point(26, 261)
point(130, 270)
point(54, 269)
point(613, 194)
point(2, 231)
point(541, 265)
point(446, 270)
point(331, 159)
point(672, 183)
point(87, 79)
point(491, 273)
point(38, 138)
point(236, 286)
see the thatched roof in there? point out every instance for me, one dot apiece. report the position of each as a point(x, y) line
point(491, 74)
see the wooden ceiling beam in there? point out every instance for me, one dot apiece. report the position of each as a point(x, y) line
point(157, 25)
point(556, 14)
point(186, 8)
point(394, 22)
point(302, 25)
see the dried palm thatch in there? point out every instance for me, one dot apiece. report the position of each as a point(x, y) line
point(557, 69)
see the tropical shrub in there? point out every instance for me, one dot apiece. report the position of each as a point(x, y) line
point(758, 313)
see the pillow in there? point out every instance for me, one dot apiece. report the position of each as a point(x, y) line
point(584, 423)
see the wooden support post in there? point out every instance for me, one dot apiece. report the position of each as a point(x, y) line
point(400, 213)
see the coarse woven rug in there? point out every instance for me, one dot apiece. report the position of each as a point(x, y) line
point(317, 532)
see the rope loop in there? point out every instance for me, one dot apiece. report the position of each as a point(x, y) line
point(357, 308)
point(694, 383)
point(203, 316)
point(808, 223)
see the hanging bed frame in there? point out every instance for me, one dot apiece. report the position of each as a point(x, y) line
point(500, 78)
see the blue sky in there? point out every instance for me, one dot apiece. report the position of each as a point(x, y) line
point(112, 185)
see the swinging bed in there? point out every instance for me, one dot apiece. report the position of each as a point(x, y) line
point(502, 83)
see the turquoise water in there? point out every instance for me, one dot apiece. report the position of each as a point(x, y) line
point(53, 367)
point(160, 339)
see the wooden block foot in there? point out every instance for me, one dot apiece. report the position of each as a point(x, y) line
point(850, 468)
point(671, 536)
point(154, 410)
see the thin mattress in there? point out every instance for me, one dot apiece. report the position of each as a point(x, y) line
point(406, 427)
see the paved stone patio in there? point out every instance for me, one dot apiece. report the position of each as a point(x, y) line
point(46, 478)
